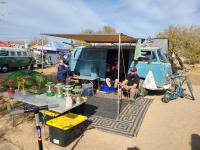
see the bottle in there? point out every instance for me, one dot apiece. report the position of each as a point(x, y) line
point(78, 100)
point(69, 101)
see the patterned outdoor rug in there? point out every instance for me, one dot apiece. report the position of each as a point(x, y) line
point(129, 121)
point(104, 107)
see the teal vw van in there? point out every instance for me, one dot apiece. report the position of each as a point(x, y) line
point(93, 61)
point(11, 58)
point(153, 58)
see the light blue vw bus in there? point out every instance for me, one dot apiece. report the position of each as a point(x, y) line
point(93, 61)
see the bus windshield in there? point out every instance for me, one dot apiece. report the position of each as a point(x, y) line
point(162, 57)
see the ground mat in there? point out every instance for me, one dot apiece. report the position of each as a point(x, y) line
point(129, 121)
point(102, 106)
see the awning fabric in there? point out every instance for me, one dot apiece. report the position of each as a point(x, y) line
point(97, 38)
point(3, 44)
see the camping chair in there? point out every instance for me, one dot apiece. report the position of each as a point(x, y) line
point(130, 95)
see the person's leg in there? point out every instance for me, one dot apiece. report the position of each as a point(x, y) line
point(126, 93)
point(116, 83)
point(133, 94)
point(108, 82)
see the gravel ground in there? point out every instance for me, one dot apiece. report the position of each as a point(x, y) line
point(171, 126)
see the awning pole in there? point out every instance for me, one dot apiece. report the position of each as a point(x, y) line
point(119, 49)
point(42, 55)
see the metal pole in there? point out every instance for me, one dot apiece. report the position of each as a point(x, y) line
point(39, 132)
point(42, 54)
point(119, 49)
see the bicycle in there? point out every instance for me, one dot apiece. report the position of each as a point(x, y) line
point(177, 81)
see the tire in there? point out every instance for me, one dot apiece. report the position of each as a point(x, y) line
point(165, 100)
point(190, 88)
point(5, 68)
point(39, 65)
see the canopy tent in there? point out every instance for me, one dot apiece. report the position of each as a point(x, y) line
point(53, 46)
point(3, 44)
point(101, 38)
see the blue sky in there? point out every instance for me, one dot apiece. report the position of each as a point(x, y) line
point(26, 19)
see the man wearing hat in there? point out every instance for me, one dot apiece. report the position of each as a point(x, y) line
point(131, 84)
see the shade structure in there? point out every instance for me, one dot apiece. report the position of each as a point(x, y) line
point(102, 38)
point(3, 44)
point(97, 38)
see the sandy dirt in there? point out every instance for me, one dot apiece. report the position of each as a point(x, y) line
point(171, 126)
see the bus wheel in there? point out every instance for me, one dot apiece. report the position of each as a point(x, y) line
point(5, 68)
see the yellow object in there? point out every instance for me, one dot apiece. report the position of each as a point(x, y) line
point(67, 121)
point(84, 98)
point(20, 84)
point(49, 113)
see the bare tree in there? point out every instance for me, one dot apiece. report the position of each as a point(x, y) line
point(184, 42)
point(38, 41)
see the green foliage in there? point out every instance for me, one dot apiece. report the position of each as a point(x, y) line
point(34, 82)
point(183, 41)
point(107, 29)
point(14, 77)
point(87, 31)
point(38, 79)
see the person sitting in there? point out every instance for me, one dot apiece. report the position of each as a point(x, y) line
point(131, 85)
point(75, 75)
point(112, 80)
point(62, 71)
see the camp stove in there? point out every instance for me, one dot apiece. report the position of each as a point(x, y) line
point(59, 90)
point(78, 91)
point(50, 86)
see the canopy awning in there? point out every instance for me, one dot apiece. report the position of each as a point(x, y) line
point(97, 38)
point(4, 44)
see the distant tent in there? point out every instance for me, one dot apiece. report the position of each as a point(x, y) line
point(53, 51)
point(3, 44)
point(52, 46)
point(55, 46)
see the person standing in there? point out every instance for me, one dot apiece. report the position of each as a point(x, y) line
point(62, 71)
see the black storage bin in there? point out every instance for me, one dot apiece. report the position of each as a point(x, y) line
point(65, 129)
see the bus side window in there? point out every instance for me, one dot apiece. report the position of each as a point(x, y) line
point(4, 53)
point(12, 53)
point(19, 54)
point(25, 53)
point(28, 53)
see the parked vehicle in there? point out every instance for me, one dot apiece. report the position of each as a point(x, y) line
point(14, 58)
point(38, 61)
point(154, 59)
point(92, 61)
